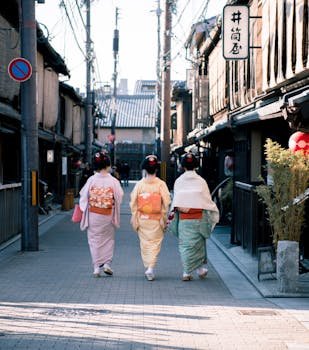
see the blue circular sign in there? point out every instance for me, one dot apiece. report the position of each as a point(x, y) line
point(20, 69)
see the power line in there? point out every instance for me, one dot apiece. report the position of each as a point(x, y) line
point(73, 14)
point(197, 17)
point(201, 15)
point(75, 38)
point(181, 14)
point(80, 14)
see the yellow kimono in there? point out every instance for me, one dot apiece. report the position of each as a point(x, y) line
point(149, 205)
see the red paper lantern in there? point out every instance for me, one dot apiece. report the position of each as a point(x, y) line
point(299, 141)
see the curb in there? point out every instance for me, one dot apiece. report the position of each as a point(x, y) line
point(262, 290)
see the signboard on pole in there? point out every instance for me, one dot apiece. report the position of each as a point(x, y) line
point(235, 32)
point(20, 69)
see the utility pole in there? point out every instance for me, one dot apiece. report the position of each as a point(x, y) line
point(166, 86)
point(158, 85)
point(114, 115)
point(29, 132)
point(89, 122)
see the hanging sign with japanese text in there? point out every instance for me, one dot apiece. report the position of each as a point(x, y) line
point(235, 32)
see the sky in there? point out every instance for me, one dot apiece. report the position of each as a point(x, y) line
point(137, 24)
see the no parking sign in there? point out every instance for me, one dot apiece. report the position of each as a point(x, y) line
point(20, 69)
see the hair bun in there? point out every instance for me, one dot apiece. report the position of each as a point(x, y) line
point(150, 164)
point(189, 158)
point(101, 160)
point(189, 161)
point(152, 160)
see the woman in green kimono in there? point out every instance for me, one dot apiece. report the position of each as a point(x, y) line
point(197, 216)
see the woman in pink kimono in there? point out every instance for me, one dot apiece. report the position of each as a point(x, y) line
point(149, 203)
point(100, 200)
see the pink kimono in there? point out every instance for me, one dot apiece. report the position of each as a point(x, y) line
point(100, 200)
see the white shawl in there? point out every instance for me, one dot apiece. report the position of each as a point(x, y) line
point(191, 191)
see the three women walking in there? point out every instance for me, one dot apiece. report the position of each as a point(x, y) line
point(196, 215)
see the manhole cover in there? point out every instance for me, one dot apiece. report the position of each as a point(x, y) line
point(257, 312)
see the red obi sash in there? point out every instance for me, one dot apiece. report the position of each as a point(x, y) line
point(149, 205)
point(101, 200)
point(191, 214)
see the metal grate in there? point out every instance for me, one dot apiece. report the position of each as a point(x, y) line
point(71, 312)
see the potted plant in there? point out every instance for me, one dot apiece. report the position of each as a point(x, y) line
point(286, 211)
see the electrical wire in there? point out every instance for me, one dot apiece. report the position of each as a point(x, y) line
point(65, 32)
point(55, 25)
point(181, 14)
point(74, 34)
point(202, 13)
point(81, 29)
point(197, 17)
point(80, 14)
point(73, 14)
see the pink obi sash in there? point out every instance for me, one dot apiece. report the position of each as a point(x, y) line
point(149, 205)
point(101, 200)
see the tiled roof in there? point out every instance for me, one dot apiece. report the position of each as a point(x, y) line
point(133, 111)
point(145, 87)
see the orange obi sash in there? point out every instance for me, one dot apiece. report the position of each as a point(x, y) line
point(149, 205)
point(102, 211)
point(101, 200)
point(191, 214)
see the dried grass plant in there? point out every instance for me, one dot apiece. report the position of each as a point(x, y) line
point(290, 173)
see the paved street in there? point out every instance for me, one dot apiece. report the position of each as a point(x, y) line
point(49, 300)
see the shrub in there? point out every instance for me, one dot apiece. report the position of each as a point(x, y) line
point(290, 173)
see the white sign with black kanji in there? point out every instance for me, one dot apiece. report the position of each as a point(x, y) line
point(235, 32)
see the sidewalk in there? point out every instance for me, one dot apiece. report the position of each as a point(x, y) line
point(248, 266)
point(49, 299)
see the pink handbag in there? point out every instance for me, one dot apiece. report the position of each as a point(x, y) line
point(77, 214)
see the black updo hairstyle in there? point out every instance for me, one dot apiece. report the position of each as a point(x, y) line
point(189, 161)
point(150, 164)
point(101, 161)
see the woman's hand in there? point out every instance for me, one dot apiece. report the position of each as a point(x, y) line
point(162, 224)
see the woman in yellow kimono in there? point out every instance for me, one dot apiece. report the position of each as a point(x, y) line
point(149, 204)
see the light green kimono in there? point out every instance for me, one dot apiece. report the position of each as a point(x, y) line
point(191, 192)
point(192, 235)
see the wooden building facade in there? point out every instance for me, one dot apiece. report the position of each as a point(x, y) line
point(60, 118)
point(246, 101)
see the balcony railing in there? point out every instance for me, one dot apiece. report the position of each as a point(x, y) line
point(251, 228)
